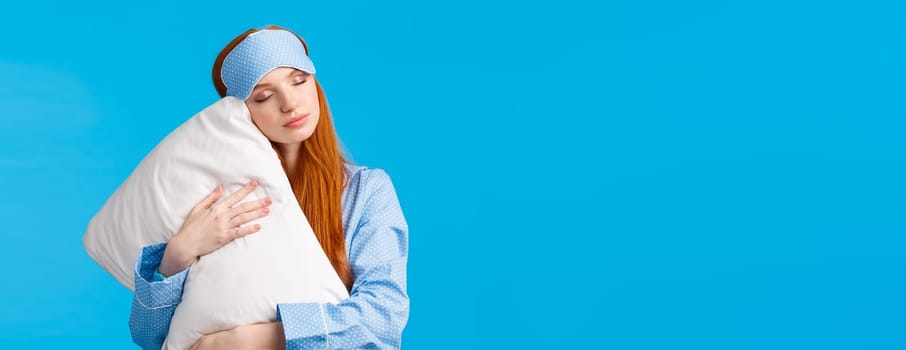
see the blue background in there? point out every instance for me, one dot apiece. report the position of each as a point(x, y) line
point(626, 175)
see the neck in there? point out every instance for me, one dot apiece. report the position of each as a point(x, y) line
point(290, 154)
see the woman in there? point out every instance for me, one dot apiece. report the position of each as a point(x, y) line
point(353, 211)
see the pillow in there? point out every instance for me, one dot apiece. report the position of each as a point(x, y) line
point(243, 281)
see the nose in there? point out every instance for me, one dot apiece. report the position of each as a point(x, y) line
point(289, 103)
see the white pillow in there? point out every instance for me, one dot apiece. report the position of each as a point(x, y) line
point(242, 282)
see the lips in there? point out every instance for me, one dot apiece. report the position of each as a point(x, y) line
point(296, 121)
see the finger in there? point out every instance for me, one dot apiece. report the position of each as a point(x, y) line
point(246, 217)
point(237, 196)
point(250, 206)
point(210, 199)
point(244, 231)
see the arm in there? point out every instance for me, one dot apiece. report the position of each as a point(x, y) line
point(378, 306)
point(155, 299)
point(209, 225)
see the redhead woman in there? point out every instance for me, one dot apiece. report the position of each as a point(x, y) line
point(353, 210)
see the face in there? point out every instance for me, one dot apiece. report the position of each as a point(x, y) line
point(281, 98)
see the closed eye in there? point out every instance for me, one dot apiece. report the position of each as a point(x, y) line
point(269, 96)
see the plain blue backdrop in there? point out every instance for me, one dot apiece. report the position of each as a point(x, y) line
point(611, 175)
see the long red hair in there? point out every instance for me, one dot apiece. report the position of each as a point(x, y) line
point(319, 176)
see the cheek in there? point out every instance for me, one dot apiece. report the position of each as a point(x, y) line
point(260, 118)
point(256, 116)
point(311, 94)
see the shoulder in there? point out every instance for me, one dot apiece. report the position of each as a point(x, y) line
point(367, 179)
point(369, 186)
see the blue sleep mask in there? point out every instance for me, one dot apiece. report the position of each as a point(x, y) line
point(258, 54)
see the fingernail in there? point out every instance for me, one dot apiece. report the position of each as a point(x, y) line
point(267, 200)
point(257, 227)
point(265, 210)
point(254, 182)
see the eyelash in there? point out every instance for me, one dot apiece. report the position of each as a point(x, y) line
point(269, 96)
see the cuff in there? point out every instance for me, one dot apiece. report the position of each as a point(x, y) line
point(304, 325)
point(157, 292)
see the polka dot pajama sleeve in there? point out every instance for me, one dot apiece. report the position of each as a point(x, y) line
point(378, 307)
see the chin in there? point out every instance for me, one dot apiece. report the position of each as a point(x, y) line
point(302, 135)
point(288, 138)
point(308, 131)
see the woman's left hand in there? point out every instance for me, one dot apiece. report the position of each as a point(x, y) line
point(253, 336)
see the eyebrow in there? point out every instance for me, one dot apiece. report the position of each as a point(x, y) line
point(290, 75)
